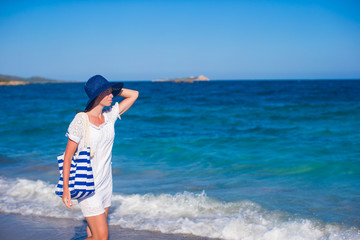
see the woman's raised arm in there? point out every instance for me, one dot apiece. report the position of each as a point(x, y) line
point(130, 97)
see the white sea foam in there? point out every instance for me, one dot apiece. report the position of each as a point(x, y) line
point(180, 213)
point(27, 197)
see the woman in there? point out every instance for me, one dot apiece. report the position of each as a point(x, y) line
point(95, 207)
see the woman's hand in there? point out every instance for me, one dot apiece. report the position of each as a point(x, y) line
point(66, 198)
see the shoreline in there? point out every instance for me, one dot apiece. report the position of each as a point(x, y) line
point(17, 227)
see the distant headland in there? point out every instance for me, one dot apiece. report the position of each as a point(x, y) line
point(13, 81)
point(190, 79)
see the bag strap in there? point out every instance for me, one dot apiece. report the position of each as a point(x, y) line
point(86, 133)
point(86, 130)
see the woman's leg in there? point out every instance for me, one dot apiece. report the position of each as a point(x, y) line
point(88, 231)
point(98, 227)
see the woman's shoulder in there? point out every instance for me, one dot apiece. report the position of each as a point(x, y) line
point(76, 127)
point(79, 119)
point(112, 108)
point(80, 116)
point(112, 112)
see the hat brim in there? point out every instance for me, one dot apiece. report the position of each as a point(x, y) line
point(116, 89)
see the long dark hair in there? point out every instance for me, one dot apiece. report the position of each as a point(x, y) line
point(88, 108)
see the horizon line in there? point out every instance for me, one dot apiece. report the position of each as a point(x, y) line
point(257, 79)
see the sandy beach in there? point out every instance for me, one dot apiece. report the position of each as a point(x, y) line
point(17, 227)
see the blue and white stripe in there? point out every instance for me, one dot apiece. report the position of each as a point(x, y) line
point(81, 180)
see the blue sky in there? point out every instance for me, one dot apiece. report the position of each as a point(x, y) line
point(145, 40)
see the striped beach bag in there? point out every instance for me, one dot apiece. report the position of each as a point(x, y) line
point(81, 180)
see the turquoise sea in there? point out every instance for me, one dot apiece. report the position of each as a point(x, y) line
point(225, 159)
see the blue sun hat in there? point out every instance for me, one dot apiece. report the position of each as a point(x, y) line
point(98, 84)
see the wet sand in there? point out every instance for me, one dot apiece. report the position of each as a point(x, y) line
point(16, 227)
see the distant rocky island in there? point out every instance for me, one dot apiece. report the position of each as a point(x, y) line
point(12, 80)
point(190, 79)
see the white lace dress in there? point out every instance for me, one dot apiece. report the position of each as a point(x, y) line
point(101, 142)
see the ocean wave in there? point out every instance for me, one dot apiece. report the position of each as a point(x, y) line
point(186, 212)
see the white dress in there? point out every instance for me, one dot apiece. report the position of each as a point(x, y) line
point(101, 142)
